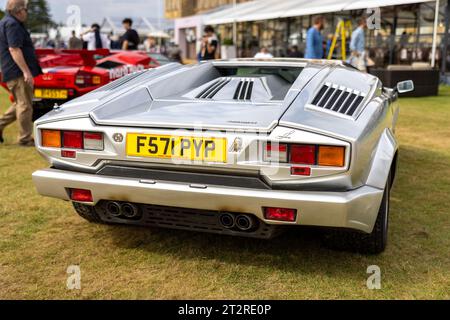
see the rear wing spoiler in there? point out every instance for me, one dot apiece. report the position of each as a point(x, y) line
point(86, 55)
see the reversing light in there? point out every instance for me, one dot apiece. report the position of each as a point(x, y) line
point(93, 141)
point(51, 138)
point(331, 156)
point(280, 214)
point(81, 195)
point(276, 152)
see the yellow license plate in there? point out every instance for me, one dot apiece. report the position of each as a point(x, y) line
point(51, 94)
point(177, 147)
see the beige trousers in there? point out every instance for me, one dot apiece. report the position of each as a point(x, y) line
point(21, 110)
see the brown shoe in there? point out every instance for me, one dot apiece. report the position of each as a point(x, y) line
point(27, 144)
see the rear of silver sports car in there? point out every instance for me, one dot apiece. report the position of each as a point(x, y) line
point(238, 173)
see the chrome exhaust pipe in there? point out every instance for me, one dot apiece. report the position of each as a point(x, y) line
point(245, 223)
point(114, 209)
point(130, 211)
point(227, 221)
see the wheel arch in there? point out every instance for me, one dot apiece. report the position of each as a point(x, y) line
point(384, 162)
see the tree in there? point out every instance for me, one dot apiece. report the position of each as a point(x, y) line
point(39, 17)
point(2, 14)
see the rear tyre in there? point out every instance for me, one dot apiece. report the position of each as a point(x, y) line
point(374, 243)
point(87, 212)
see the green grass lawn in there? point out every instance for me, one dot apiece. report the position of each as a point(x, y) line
point(41, 237)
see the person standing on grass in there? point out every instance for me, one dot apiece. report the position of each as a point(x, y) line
point(19, 66)
point(314, 39)
point(75, 43)
point(130, 39)
point(358, 58)
point(95, 39)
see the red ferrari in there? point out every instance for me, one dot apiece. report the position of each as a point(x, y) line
point(69, 74)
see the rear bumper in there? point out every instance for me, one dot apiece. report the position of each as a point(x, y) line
point(356, 209)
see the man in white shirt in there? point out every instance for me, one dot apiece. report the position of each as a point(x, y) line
point(95, 39)
point(264, 54)
point(358, 46)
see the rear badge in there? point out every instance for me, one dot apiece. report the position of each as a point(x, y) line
point(118, 137)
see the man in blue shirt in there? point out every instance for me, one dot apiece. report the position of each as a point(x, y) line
point(358, 46)
point(314, 40)
point(19, 66)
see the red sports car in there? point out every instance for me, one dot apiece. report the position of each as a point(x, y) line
point(72, 73)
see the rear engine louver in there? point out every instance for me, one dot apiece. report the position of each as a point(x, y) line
point(120, 82)
point(213, 89)
point(339, 99)
point(244, 90)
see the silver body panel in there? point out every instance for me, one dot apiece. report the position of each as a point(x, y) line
point(164, 101)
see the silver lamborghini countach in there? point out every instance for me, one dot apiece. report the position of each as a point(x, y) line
point(240, 147)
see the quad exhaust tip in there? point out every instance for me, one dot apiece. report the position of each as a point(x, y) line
point(241, 222)
point(227, 221)
point(114, 209)
point(130, 211)
point(245, 223)
point(122, 210)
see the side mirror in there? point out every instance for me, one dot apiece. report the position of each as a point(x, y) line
point(405, 86)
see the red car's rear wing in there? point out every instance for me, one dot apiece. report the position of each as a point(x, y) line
point(73, 57)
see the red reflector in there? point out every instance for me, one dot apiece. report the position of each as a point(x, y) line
point(303, 154)
point(73, 139)
point(300, 171)
point(68, 154)
point(81, 195)
point(280, 214)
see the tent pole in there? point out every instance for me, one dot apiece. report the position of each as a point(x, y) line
point(234, 25)
point(393, 37)
point(436, 21)
point(445, 40)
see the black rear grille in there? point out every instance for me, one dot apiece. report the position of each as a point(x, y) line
point(185, 219)
point(338, 99)
point(244, 90)
point(213, 89)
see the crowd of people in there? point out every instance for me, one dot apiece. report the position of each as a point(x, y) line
point(316, 46)
point(93, 38)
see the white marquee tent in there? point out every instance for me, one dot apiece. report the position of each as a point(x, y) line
point(275, 9)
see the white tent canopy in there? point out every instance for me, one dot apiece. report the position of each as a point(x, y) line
point(273, 9)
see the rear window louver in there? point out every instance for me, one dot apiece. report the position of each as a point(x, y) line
point(213, 89)
point(244, 90)
point(338, 99)
point(120, 82)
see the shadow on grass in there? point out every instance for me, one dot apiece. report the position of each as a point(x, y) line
point(298, 249)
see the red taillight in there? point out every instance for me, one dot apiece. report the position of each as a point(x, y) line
point(73, 139)
point(86, 79)
point(78, 140)
point(280, 214)
point(303, 154)
point(275, 152)
point(81, 195)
